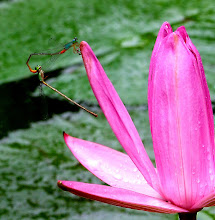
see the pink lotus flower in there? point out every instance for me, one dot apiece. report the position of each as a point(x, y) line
point(182, 128)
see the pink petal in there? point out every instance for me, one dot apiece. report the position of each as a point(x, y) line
point(181, 121)
point(207, 201)
point(119, 197)
point(165, 30)
point(117, 115)
point(192, 48)
point(111, 166)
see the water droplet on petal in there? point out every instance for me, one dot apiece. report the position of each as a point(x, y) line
point(135, 169)
point(209, 157)
point(138, 182)
point(117, 176)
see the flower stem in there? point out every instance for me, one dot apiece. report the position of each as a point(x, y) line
point(187, 216)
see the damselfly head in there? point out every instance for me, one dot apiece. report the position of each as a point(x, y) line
point(75, 39)
point(38, 68)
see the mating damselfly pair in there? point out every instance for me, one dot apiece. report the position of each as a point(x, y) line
point(38, 69)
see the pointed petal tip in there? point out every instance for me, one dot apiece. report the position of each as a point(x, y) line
point(83, 44)
point(65, 135)
point(64, 185)
point(165, 23)
point(68, 139)
point(165, 29)
point(59, 182)
point(60, 185)
point(182, 29)
point(183, 33)
point(91, 63)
